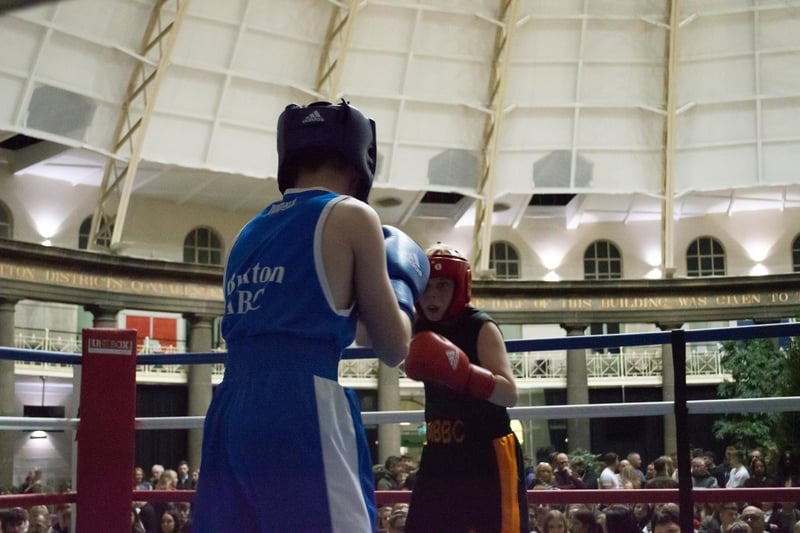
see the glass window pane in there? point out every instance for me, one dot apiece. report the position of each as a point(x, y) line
point(692, 266)
point(203, 246)
point(504, 260)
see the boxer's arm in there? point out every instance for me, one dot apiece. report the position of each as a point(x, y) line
point(493, 357)
point(388, 328)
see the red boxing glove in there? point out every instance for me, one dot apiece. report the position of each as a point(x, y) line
point(434, 359)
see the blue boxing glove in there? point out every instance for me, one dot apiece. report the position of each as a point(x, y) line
point(408, 268)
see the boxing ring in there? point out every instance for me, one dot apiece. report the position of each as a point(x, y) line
point(106, 425)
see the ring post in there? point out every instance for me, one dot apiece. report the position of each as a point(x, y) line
point(685, 498)
point(106, 433)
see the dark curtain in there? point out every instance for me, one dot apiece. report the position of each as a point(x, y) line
point(166, 447)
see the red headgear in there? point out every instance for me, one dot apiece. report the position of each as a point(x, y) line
point(447, 262)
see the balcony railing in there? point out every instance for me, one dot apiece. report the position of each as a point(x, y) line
point(633, 365)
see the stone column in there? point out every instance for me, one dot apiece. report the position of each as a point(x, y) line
point(104, 317)
point(538, 431)
point(388, 400)
point(7, 392)
point(668, 390)
point(198, 381)
point(578, 429)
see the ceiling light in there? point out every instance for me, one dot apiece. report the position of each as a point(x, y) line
point(38, 434)
point(654, 274)
point(757, 251)
point(46, 225)
point(653, 258)
point(552, 258)
point(552, 276)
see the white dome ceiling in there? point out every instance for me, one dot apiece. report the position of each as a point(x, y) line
point(491, 99)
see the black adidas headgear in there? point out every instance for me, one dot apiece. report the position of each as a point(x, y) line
point(323, 126)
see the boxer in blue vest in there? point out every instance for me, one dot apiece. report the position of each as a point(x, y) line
point(284, 448)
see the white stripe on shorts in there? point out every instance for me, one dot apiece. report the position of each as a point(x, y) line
point(340, 457)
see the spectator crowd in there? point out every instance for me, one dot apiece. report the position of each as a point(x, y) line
point(552, 470)
point(146, 516)
point(558, 470)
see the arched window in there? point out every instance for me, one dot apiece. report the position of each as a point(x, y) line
point(85, 230)
point(602, 260)
point(203, 247)
point(504, 259)
point(5, 222)
point(796, 254)
point(705, 257)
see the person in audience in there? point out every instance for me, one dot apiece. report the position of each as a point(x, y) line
point(629, 478)
point(758, 479)
point(583, 520)
point(667, 519)
point(384, 512)
point(34, 484)
point(152, 513)
point(755, 453)
point(722, 516)
point(554, 522)
point(14, 520)
point(156, 470)
point(587, 475)
point(544, 477)
point(148, 516)
point(701, 478)
point(738, 526)
point(168, 480)
point(787, 470)
point(39, 519)
point(389, 479)
point(784, 517)
point(754, 517)
point(619, 519)
point(136, 522)
point(722, 470)
point(184, 480)
point(139, 483)
point(650, 472)
point(635, 460)
point(711, 463)
point(565, 477)
point(643, 514)
point(63, 519)
point(184, 517)
point(609, 477)
point(758, 474)
point(662, 479)
point(673, 465)
point(738, 473)
point(397, 520)
point(170, 520)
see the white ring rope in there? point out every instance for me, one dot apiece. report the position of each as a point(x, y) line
point(603, 410)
